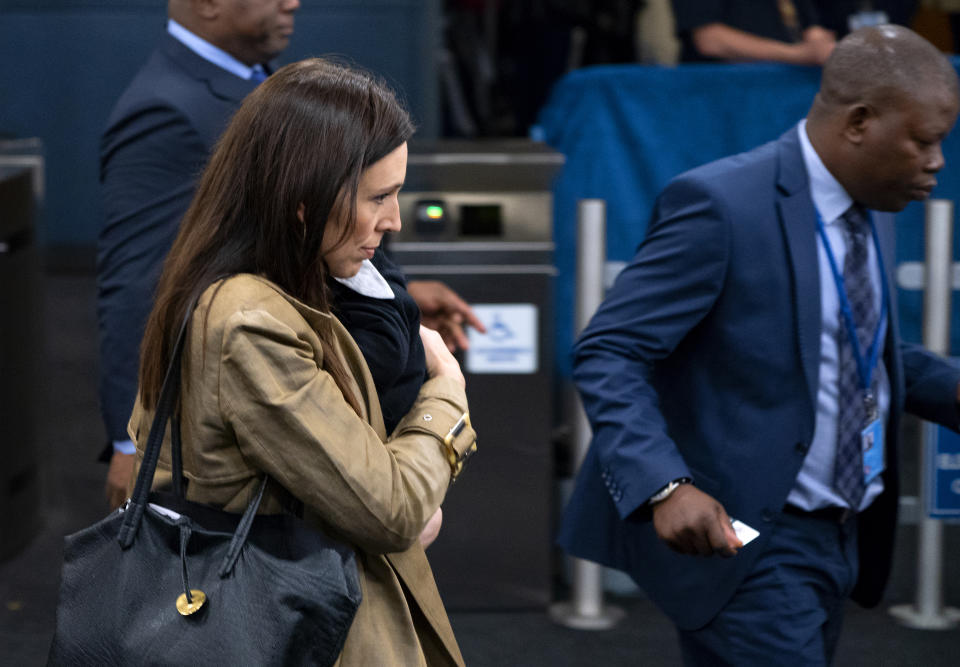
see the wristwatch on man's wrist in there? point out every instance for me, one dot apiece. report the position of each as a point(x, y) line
point(665, 491)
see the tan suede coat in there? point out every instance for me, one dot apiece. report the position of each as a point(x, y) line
point(256, 398)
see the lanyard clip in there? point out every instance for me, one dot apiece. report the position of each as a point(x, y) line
point(870, 406)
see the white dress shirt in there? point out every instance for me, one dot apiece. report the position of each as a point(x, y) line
point(814, 486)
point(368, 282)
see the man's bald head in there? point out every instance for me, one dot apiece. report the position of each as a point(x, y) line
point(887, 100)
point(873, 64)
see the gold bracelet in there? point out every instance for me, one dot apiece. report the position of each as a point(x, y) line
point(455, 460)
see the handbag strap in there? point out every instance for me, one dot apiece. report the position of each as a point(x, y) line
point(169, 392)
point(176, 458)
point(243, 529)
point(166, 403)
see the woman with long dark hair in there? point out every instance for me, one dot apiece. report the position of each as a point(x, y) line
point(303, 185)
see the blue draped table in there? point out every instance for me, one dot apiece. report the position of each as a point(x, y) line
point(626, 130)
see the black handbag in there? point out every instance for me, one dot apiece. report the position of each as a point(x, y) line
point(166, 581)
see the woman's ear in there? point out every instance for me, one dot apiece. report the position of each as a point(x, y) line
point(301, 212)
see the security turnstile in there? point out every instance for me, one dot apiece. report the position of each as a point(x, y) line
point(20, 338)
point(478, 217)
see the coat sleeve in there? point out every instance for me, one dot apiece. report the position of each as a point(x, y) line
point(664, 292)
point(291, 420)
point(931, 386)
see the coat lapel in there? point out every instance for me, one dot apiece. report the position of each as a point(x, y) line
point(798, 221)
point(222, 84)
point(227, 86)
point(887, 235)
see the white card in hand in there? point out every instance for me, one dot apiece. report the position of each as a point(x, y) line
point(745, 533)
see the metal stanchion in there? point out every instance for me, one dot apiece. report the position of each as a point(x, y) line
point(928, 612)
point(586, 610)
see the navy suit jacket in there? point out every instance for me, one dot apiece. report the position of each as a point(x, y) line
point(703, 362)
point(156, 143)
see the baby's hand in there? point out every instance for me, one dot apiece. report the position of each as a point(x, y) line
point(440, 363)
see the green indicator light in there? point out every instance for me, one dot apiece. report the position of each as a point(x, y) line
point(435, 212)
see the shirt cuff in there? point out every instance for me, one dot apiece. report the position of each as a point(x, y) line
point(124, 447)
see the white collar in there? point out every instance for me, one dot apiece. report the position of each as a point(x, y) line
point(829, 197)
point(208, 51)
point(368, 282)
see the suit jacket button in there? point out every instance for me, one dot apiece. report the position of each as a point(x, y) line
point(767, 515)
point(801, 447)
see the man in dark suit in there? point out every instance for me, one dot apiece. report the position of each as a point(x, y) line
point(157, 141)
point(747, 358)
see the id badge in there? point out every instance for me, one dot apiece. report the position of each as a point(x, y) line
point(871, 443)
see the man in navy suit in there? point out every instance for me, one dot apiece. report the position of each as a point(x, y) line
point(722, 379)
point(156, 143)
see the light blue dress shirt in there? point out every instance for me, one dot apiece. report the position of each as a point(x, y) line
point(208, 51)
point(814, 486)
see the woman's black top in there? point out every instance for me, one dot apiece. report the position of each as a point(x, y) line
point(387, 331)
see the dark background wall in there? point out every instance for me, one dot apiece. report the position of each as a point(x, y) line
point(63, 63)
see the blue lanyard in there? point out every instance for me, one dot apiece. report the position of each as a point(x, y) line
point(864, 367)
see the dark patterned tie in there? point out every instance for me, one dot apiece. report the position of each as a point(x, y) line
point(852, 412)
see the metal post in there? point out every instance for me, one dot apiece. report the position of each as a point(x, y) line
point(586, 610)
point(928, 613)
